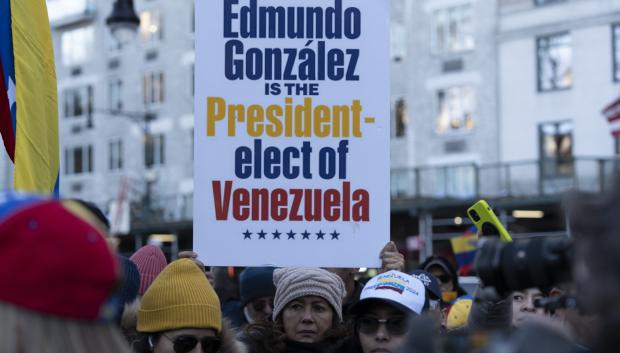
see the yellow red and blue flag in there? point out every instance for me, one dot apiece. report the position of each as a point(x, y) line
point(28, 97)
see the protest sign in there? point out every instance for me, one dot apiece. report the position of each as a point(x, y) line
point(292, 132)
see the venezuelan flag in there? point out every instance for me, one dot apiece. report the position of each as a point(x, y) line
point(464, 248)
point(28, 97)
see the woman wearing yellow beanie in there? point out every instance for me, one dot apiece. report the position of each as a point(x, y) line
point(180, 313)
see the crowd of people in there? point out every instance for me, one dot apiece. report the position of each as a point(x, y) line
point(64, 288)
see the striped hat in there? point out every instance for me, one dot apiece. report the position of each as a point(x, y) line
point(180, 297)
point(150, 261)
point(292, 283)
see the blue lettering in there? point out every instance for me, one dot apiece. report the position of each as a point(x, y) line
point(233, 68)
point(243, 161)
point(228, 19)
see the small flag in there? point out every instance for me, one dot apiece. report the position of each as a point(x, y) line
point(464, 248)
point(28, 100)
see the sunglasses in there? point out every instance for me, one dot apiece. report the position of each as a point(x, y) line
point(185, 343)
point(260, 305)
point(370, 325)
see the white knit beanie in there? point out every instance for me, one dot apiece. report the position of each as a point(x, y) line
point(292, 283)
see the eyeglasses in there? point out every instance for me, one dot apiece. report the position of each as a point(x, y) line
point(370, 325)
point(185, 343)
point(260, 305)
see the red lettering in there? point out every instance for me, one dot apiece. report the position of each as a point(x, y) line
point(346, 201)
point(262, 204)
point(312, 213)
point(279, 201)
point(361, 207)
point(297, 196)
point(260, 196)
point(332, 205)
point(221, 205)
point(241, 202)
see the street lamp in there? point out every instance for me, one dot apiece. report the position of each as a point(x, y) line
point(123, 21)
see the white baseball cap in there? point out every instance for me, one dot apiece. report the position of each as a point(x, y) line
point(397, 288)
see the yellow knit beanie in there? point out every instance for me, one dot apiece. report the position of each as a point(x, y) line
point(180, 297)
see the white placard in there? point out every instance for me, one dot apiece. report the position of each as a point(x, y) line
point(292, 132)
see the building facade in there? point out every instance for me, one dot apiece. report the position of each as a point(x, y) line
point(126, 113)
point(505, 103)
point(559, 68)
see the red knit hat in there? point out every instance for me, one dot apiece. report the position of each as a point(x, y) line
point(150, 261)
point(52, 261)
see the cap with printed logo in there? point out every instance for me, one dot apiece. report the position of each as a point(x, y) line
point(394, 287)
point(430, 282)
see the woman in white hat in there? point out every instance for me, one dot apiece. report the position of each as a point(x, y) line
point(386, 304)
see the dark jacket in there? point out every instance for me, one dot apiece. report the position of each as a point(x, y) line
point(346, 307)
point(490, 312)
point(230, 343)
point(299, 347)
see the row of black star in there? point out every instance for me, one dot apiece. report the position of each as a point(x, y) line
point(291, 235)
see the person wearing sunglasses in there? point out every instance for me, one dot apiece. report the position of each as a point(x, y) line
point(307, 314)
point(386, 304)
point(180, 313)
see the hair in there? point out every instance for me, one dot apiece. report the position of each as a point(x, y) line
point(95, 211)
point(27, 331)
point(129, 320)
point(271, 338)
point(144, 342)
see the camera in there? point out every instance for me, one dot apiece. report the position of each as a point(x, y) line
point(524, 263)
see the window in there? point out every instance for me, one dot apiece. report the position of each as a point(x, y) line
point(398, 42)
point(61, 9)
point(400, 118)
point(191, 146)
point(192, 78)
point(78, 101)
point(115, 94)
point(555, 62)
point(556, 149)
point(153, 87)
point(455, 108)
point(154, 149)
point(452, 30)
point(79, 160)
point(546, 2)
point(116, 155)
point(193, 18)
point(151, 26)
point(616, 51)
point(77, 46)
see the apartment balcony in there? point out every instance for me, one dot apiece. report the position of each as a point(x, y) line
point(524, 180)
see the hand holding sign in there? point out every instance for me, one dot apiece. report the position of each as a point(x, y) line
point(391, 259)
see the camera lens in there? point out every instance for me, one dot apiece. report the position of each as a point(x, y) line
point(474, 215)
